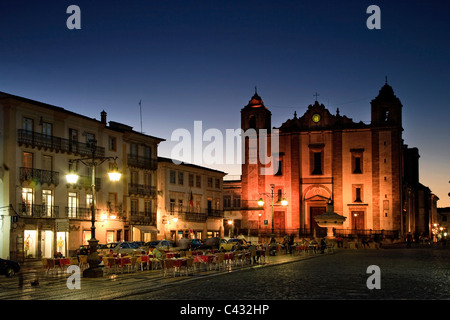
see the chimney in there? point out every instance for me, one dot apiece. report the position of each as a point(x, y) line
point(103, 117)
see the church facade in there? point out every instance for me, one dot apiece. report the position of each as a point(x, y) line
point(326, 158)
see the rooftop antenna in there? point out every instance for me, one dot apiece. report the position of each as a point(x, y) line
point(140, 109)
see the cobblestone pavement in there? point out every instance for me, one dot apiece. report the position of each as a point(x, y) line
point(411, 274)
point(418, 273)
point(53, 286)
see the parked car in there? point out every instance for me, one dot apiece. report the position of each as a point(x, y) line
point(165, 245)
point(237, 244)
point(193, 244)
point(224, 245)
point(104, 248)
point(242, 243)
point(197, 244)
point(83, 250)
point(9, 267)
point(119, 247)
point(211, 243)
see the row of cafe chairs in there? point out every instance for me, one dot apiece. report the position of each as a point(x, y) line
point(112, 264)
point(59, 264)
point(308, 248)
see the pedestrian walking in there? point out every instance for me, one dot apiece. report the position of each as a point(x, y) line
point(409, 239)
point(291, 243)
point(323, 245)
point(286, 243)
point(340, 242)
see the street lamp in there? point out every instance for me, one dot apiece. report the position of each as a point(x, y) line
point(175, 220)
point(93, 162)
point(271, 196)
point(230, 230)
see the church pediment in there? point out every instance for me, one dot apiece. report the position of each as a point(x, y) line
point(317, 117)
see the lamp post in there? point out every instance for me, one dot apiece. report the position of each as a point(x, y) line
point(175, 220)
point(114, 175)
point(271, 196)
point(230, 230)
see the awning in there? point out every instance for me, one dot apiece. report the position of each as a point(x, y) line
point(151, 229)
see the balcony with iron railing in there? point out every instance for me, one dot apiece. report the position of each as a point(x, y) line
point(214, 213)
point(38, 210)
point(142, 162)
point(141, 190)
point(38, 175)
point(80, 213)
point(143, 218)
point(190, 214)
point(85, 213)
point(39, 140)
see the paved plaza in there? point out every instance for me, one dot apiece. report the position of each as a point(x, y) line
point(419, 273)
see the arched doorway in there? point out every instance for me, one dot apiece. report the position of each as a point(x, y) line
point(315, 198)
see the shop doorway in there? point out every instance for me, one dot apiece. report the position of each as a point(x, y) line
point(47, 244)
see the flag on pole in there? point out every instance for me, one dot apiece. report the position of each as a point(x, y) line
point(191, 200)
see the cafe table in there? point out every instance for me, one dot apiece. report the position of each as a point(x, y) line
point(171, 255)
point(228, 257)
point(61, 262)
point(204, 259)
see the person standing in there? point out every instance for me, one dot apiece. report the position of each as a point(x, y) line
point(409, 239)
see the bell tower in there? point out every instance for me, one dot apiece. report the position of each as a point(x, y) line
point(386, 158)
point(386, 108)
point(255, 115)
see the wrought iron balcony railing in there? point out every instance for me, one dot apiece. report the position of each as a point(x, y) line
point(39, 140)
point(215, 213)
point(141, 190)
point(38, 210)
point(143, 218)
point(192, 214)
point(84, 213)
point(38, 175)
point(142, 162)
point(80, 213)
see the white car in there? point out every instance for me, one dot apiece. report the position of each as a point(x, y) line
point(120, 247)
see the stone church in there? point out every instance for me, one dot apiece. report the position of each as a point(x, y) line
point(325, 158)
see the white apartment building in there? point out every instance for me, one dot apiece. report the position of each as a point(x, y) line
point(190, 201)
point(41, 213)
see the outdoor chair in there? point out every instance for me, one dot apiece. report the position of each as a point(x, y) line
point(51, 265)
point(139, 263)
point(168, 266)
point(219, 260)
point(110, 265)
point(83, 262)
point(189, 265)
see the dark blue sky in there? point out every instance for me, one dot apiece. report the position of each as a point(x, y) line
point(200, 60)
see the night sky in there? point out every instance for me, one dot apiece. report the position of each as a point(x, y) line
point(200, 60)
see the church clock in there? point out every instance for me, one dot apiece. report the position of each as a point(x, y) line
point(316, 117)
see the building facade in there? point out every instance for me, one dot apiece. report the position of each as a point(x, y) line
point(329, 158)
point(189, 201)
point(41, 212)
